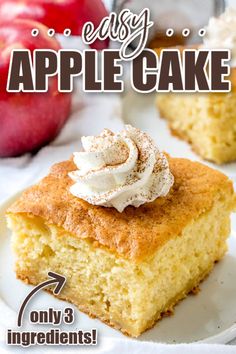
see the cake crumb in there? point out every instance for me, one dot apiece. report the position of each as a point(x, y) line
point(196, 290)
point(168, 313)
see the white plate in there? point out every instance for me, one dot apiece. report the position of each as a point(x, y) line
point(209, 317)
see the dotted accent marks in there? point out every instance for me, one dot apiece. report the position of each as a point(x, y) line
point(169, 32)
point(35, 32)
point(51, 32)
point(185, 32)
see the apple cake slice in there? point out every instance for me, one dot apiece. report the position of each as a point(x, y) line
point(207, 120)
point(126, 268)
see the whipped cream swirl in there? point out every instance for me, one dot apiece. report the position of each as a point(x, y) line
point(117, 170)
point(221, 33)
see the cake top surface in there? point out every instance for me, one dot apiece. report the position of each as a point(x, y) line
point(136, 233)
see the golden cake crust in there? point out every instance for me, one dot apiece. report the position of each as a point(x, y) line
point(135, 233)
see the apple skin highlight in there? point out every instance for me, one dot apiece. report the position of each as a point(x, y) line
point(59, 15)
point(28, 120)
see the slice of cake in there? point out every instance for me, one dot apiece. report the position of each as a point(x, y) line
point(128, 267)
point(207, 120)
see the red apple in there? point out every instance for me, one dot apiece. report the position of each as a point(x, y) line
point(56, 14)
point(28, 120)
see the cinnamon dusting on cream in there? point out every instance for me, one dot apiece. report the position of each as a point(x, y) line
point(117, 170)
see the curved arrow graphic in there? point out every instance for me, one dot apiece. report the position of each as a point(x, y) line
point(55, 279)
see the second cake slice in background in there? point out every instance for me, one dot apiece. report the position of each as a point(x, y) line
point(206, 121)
